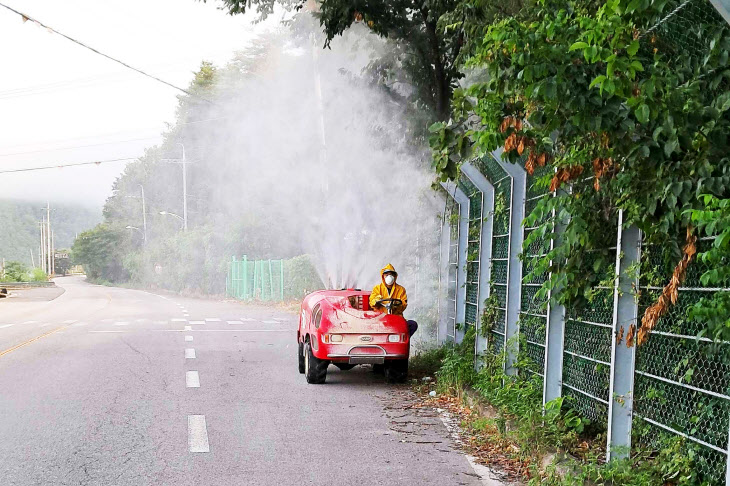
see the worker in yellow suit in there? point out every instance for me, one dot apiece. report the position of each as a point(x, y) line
point(389, 289)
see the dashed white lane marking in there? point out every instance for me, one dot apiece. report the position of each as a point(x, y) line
point(189, 353)
point(29, 322)
point(123, 323)
point(70, 321)
point(159, 322)
point(6, 325)
point(197, 322)
point(247, 319)
point(185, 314)
point(140, 320)
point(80, 324)
point(107, 331)
point(234, 322)
point(107, 320)
point(178, 320)
point(45, 324)
point(197, 434)
point(212, 319)
point(192, 379)
point(270, 322)
point(187, 328)
point(188, 339)
point(280, 319)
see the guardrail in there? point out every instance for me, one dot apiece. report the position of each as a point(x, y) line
point(25, 285)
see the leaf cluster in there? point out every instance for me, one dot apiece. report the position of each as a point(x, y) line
point(634, 123)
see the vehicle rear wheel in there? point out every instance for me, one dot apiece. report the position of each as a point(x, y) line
point(315, 369)
point(396, 371)
point(345, 366)
point(300, 355)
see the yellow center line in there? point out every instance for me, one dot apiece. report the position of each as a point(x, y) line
point(10, 350)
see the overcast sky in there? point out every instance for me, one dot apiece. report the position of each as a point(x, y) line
point(60, 103)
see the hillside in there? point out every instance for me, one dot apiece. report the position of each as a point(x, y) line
point(19, 228)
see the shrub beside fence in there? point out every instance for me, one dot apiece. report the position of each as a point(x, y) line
point(674, 386)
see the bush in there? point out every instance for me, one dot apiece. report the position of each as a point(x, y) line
point(426, 363)
point(38, 275)
point(300, 278)
point(15, 272)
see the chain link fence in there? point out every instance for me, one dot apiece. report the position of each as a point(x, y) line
point(675, 386)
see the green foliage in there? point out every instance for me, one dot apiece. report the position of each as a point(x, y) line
point(669, 465)
point(522, 420)
point(38, 275)
point(457, 366)
point(426, 363)
point(15, 272)
point(19, 272)
point(426, 40)
point(713, 220)
point(19, 230)
point(100, 252)
point(633, 126)
point(300, 278)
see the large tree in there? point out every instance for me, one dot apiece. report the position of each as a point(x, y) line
point(426, 39)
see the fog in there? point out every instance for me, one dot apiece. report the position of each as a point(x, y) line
point(335, 170)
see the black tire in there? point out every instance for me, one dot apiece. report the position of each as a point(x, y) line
point(378, 369)
point(300, 355)
point(315, 369)
point(345, 366)
point(396, 371)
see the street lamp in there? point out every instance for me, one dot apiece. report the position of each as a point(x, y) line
point(144, 215)
point(165, 213)
point(185, 184)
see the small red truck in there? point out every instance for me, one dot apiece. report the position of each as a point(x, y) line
point(338, 327)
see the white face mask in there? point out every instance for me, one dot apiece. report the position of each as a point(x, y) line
point(389, 279)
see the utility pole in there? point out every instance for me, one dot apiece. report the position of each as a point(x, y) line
point(42, 256)
point(144, 211)
point(53, 252)
point(32, 260)
point(185, 189)
point(185, 184)
point(48, 238)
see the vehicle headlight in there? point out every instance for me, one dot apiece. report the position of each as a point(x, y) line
point(336, 338)
point(393, 338)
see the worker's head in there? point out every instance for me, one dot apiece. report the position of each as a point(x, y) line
point(389, 275)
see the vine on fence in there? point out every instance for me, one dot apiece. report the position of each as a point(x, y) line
point(590, 89)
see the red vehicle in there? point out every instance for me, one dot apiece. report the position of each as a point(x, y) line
point(338, 327)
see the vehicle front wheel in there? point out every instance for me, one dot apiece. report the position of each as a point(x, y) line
point(396, 371)
point(315, 369)
point(300, 356)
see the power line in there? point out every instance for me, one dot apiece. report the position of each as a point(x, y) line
point(102, 135)
point(51, 29)
point(10, 154)
point(74, 164)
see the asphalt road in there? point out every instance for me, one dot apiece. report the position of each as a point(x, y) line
point(109, 386)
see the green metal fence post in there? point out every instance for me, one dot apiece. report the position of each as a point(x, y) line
point(228, 280)
point(244, 261)
point(255, 277)
point(264, 296)
point(234, 288)
point(239, 279)
point(271, 282)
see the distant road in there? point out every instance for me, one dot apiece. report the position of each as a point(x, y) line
point(109, 386)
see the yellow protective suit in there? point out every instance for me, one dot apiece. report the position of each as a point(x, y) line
point(381, 292)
